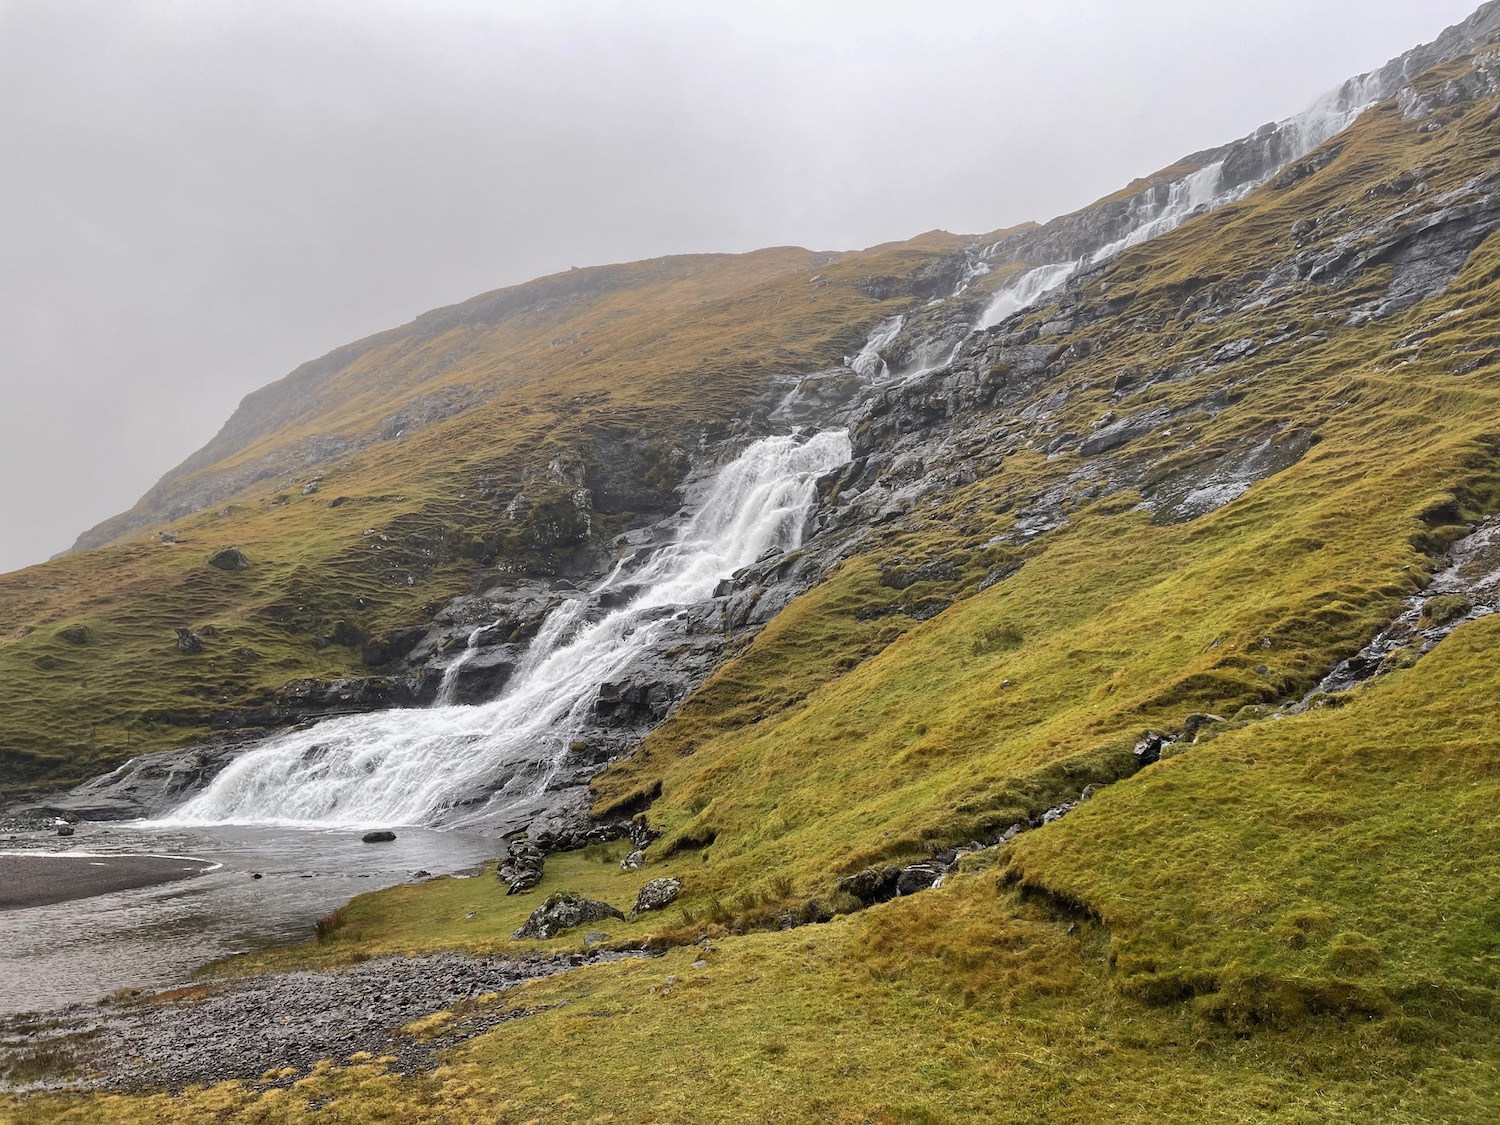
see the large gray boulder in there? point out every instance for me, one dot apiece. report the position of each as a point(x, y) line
point(655, 895)
point(564, 910)
point(229, 558)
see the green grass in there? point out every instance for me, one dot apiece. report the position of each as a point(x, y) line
point(691, 343)
point(1293, 919)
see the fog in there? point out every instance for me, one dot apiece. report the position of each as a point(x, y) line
point(196, 197)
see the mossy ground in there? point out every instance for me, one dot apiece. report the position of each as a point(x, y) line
point(1292, 919)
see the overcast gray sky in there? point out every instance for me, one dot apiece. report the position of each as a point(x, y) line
point(198, 195)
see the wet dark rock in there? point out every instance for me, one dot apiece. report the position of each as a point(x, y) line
point(1196, 722)
point(1119, 433)
point(521, 869)
point(919, 877)
point(872, 885)
point(383, 836)
point(1148, 749)
point(655, 895)
point(229, 558)
point(302, 700)
point(564, 910)
point(65, 830)
point(484, 675)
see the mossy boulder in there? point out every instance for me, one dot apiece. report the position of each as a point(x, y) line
point(564, 910)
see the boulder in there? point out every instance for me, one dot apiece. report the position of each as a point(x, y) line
point(75, 634)
point(564, 910)
point(229, 558)
point(1148, 749)
point(656, 894)
point(521, 869)
point(383, 836)
point(632, 861)
point(189, 642)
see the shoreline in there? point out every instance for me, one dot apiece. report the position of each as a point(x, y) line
point(44, 879)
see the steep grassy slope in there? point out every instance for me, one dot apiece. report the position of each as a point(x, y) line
point(1292, 918)
point(630, 372)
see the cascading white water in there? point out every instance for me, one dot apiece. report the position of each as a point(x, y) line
point(869, 363)
point(448, 688)
point(408, 766)
point(1201, 190)
point(1025, 290)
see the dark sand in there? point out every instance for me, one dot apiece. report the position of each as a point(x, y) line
point(36, 880)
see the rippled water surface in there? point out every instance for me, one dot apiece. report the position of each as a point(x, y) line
point(155, 937)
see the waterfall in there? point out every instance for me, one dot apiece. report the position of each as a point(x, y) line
point(448, 687)
point(409, 766)
point(1202, 190)
point(869, 363)
point(1025, 290)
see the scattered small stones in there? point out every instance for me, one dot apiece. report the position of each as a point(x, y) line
point(521, 869)
point(383, 836)
point(245, 1027)
point(564, 910)
point(656, 894)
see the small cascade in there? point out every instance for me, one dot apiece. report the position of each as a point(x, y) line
point(1167, 206)
point(417, 766)
point(869, 363)
point(1025, 291)
point(448, 688)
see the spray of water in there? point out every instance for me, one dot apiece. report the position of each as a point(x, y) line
point(412, 766)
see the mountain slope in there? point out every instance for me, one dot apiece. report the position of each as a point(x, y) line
point(369, 487)
point(1157, 617)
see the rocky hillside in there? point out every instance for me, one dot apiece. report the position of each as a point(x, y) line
point(1118, 744)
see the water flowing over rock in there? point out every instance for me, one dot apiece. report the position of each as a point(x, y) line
point(457, 764)
point(1227, 174)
